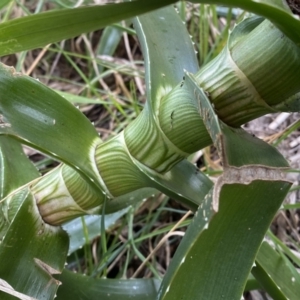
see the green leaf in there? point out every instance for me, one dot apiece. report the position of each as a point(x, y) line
point(165, 62)
point(129, 199)
point(165, 57)
point(184, 182)
point(218, 256)
point(246, 141)
point(219, 247)
point(79, 287)
point(31, 252)
point(79, 99)
point(39, 117)
point(238, 68)
point(165, 67)
point(276, 274)
point(4, 3)
point(284, 248)
point(15, 170)
point(110, 38)
point(109, 41)
point(274, 10)
point(252, 284)
point(44, 28)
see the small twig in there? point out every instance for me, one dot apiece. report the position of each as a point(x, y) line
point(137, 79)
point(161, 242)
point(116, 260)
point(37, 60)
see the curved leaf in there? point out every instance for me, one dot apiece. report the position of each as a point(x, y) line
point(184, 182)
point(220, 246)
point(274, 10)
point(79, 287)
point(165, 57)
point(41, 118)
point(108, 43)
point(165, 64)
point(44, 28)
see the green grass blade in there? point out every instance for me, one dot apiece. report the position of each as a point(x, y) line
point(44, 28)
point(79, 287)
point(80, 99)
point(4, 3)
point(75, 228)
point(276, 274)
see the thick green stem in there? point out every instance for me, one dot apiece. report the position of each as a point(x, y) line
point(254, 74)
point(257, 73)
point(63, 195)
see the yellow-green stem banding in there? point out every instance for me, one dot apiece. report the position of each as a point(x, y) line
point(56, 202)
point(147, 143)
point(115, 166)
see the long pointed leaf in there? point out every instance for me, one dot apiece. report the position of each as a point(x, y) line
point(45, 28)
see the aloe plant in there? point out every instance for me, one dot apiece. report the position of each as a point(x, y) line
point(187, 109)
